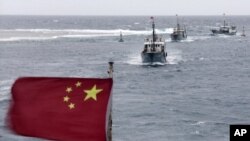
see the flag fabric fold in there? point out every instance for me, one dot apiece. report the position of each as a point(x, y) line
point(64, 109)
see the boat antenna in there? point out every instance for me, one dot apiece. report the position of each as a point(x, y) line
point(185, 30)
point(177, 20)
point(224, 19)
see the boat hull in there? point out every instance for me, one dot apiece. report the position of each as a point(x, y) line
point(178, 37)
point(152, 58)
point(223, 32)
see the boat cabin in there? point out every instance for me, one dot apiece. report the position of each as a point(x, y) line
point(151, 47)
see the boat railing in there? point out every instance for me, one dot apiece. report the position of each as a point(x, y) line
point(154, 48)
point(160, 39)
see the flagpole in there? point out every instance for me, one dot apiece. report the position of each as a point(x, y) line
point(110, 72)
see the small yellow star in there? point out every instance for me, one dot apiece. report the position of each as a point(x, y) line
point(71, 106)
point(66, 99)
point(92, 93)
point(78, 84)
point(69, 89)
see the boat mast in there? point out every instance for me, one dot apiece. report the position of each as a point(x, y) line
point(224, 19)
point(154, 36)
point(153, 26)
point(177, 20)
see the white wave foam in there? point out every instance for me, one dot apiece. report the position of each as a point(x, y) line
point(223, 36)
point(196, 132)
point(156, 64)
point(187, 40)
point(49, 34)
point(199, 123)
point(175, 57)
point(26, 38)
point(135, 60)
point(86, 36)
point(191, 39)
point(168, 30)
point(2, 82)
point(5, 93)
point(5, 86)
point(194, 38)
point(86, 31)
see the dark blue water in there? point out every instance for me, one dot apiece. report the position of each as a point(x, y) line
point(202, 89)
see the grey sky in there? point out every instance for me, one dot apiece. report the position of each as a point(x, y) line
point(124, 7)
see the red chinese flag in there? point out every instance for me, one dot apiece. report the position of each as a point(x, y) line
point(65, 109)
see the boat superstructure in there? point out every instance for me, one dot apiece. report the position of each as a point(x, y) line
point(225, 29)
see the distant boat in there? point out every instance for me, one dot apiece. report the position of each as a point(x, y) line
point(243, 32)
point(154, 49)
point(178, 33)
point(225, 29)
point(121, 39)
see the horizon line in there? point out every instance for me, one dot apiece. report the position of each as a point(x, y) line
point(115, 15)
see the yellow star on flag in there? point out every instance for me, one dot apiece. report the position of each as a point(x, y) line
point(71, 106)
point(66, 99)
point(78, 84)
point(69, 89)
point(92, 93)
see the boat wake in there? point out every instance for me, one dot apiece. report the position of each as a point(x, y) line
point(221, 35)
point(174, 57)
point(136, 60)
point(190, 39)
point(50, 34)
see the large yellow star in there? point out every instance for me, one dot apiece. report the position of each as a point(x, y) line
point(92, 93)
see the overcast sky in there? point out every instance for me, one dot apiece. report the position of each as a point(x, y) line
point(124, 7)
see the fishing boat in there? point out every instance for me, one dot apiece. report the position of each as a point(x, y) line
point(121, 39)
point(178, 33)
point(154, 49)
point(225, 29)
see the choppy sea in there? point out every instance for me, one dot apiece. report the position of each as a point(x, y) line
point(203, 88)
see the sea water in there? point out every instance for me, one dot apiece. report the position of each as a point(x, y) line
point(203, 88)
